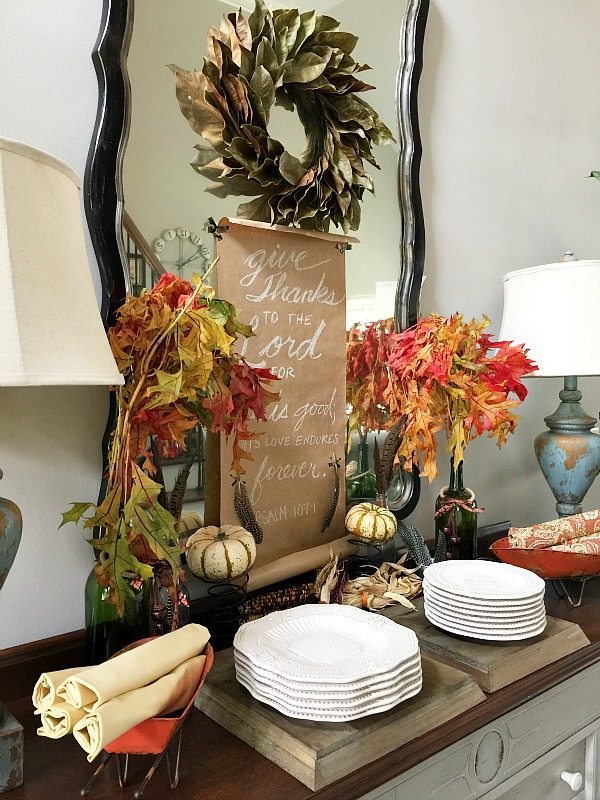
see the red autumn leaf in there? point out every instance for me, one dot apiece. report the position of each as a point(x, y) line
point(452, 375)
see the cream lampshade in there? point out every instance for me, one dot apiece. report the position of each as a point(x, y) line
point(50, 326)
point(554, 310)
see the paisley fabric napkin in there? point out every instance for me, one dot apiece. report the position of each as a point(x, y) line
point(589, 545)
point(133, 669)
point(59, 719)
point(579, 533)
point(44, 691)
point(114, 717)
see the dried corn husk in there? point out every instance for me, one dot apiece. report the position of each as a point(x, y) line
point(329, 577)
point(391, 583)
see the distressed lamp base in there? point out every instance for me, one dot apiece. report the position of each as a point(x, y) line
point(569, 453)
point(11, 732)
point(11, 753)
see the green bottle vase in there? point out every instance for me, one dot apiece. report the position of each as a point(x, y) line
point(454, 521)
point(105, 631)
point(362, 485)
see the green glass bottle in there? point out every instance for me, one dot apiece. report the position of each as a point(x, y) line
point(361, 485)
point(105, 631)
point(454, 520)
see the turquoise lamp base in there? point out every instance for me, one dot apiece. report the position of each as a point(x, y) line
point(11, 753)
point(569, 453)
point(11, 732)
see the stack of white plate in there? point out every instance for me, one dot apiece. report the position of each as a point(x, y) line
point(484, 600)
point(329, 663)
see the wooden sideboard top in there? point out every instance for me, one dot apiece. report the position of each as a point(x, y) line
point(217, 765)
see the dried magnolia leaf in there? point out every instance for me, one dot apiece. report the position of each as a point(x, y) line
point(302, 62)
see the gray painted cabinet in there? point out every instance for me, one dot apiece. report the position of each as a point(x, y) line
point(519, 756)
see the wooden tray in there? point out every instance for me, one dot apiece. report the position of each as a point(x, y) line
point(318, 753)
point(492, 664)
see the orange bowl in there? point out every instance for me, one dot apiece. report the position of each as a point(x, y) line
point(548, 564)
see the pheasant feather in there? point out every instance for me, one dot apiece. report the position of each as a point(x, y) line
point(245, 513)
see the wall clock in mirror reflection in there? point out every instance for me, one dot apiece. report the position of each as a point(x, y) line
point(181, 251)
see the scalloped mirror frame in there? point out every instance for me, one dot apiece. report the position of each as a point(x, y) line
point(103, 195)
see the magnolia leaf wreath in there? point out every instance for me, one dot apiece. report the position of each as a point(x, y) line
point(302, 62)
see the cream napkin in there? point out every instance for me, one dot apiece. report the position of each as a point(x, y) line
point(134, 668)
point(116, 716)
point(59, 719)
point(44, 691)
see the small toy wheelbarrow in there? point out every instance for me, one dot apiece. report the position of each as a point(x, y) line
point(153, 736)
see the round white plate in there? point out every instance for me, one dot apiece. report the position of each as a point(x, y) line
point(503, 608)
point(308, 700)
point(484, 580)
point(318, 715)
point(326, 693)
point(371, 683)
point(489, 619)
point(326, 643)
point(487, 636)
point(487, 627)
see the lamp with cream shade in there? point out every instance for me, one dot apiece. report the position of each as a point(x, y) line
point(51, 332)
point(554, 309)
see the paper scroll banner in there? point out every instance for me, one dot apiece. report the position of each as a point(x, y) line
point(290, 286)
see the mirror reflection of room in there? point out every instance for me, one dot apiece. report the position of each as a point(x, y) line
point(166, 202)
point(163, 193)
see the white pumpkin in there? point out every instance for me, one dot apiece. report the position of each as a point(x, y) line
point(189, 521)
point(370, 522)
point(220, 554)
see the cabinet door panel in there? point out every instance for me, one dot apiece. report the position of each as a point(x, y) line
point(545, 783)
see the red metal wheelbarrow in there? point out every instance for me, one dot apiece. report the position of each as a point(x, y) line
point(548, 564)
point(154, 736)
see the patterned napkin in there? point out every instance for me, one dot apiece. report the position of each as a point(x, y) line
point(579, 533)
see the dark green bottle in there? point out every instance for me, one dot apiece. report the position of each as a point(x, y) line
point(105, 631)
point(362, 485)
point(457, 524)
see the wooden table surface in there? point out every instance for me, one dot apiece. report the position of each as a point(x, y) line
point(217, 765)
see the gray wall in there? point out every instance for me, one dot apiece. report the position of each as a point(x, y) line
point(510, 126)
point(50, 438)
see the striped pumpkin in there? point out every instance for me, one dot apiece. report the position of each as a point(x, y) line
point(217, 554)
point(371, 523)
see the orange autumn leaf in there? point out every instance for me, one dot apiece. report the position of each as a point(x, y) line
point(173, 345)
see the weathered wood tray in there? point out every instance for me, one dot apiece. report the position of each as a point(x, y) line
point(492, 664)
point(318, 754)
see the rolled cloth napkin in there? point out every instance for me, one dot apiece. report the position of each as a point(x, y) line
point(563, 531)
point(116, 716)
point(59, 719)
point(589, 545)
point(44, 691)
point(134, 668)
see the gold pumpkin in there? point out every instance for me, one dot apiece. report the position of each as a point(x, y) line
point(217, 554)
point(371, 523)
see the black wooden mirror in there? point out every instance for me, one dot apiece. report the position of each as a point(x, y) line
point(103, 187)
